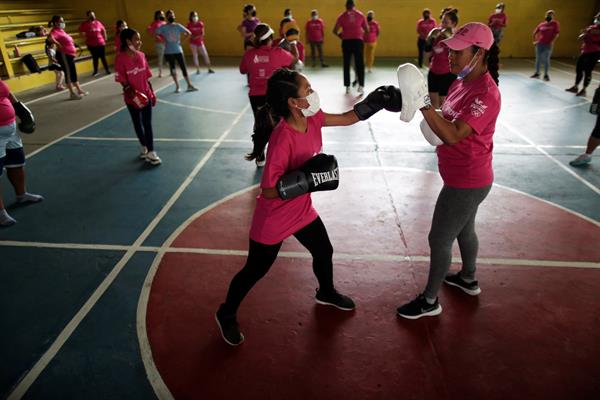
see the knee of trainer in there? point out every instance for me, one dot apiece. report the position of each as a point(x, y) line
point(438, 241)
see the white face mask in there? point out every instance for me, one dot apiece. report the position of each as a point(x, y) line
point(498, 10)
point(194, 19)
point(62, 25)
point(314, 105)
point(132, 48)
point(314, 17)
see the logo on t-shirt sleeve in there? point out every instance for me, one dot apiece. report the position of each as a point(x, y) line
point(478, 107)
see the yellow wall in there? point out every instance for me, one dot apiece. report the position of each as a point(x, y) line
point(397, 19)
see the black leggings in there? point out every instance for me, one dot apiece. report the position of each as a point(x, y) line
point(585, 65)
point(67, 64)
point(421, 47)
point(142, 123)
point(171, 58)
point(262, 256)
point(316, 47)
point(354, 48)
point(98, 53)
point(596, 132)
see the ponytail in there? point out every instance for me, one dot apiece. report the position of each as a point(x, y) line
point(126, 34)
point(282, 85)
point(493, 62)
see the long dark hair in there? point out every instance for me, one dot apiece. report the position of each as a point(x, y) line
point(492, 60)
point(54, 20)
point(126, 34)
point(157, 15)
point(259, 31)
point(282, 85)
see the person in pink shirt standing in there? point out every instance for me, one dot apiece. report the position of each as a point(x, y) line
point(291, 123)
point(590, 53)
point(12, 156)
point(440, 76)
point(95, 39)
point(132, 72)
point(353, 26)
point(196, 27)
point(248, 24)
point(65, 54)
point(259, 62)
point(120, 26)
point(497, 22)
point(159, 41)
point(424, 26)
point(465, 133)
point(371, 40)
point(315, 34)
point(544, 36)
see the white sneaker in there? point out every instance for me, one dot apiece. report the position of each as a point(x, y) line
point(360, 90)
point(143, 152)
point(75, 96)
point(581, 160)
point(153, 158)
point(84, 93)
point(192, 89)
point(347, 89)
point(177, 90)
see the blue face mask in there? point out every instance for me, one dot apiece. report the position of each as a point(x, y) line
point(467, 69)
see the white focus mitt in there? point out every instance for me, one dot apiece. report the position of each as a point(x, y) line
point(413, 87)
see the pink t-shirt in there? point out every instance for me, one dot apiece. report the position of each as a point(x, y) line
point(134, 71)
point(276, 219)
point(260, 64)
point(315, 30)
point(439, 64)
point(7, 112)
point(152, 29)
point(371, 37)
point(117, 41)
point(497, 21)
point(591, 40)
point(65, 40)
point(468, 163)
point(197, 30)
point(424, 26)
point(548, 31)
point(352, 22)
point(93, 33)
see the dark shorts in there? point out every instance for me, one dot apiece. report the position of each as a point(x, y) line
point(440, 83)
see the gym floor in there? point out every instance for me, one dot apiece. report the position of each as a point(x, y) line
point(108, 288)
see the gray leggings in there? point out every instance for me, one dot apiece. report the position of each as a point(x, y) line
point(453, 218)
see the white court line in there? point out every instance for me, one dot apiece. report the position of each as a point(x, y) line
point(68, 330)
point(562, 70)
point(197, 108)
point(66, 91)
point(552, 158)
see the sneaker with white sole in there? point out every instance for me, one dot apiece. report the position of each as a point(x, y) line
point(334, 298)
point(192, 89)
point(360, 90)
point(229, 328)
point(143, 152)
point(581, 160)
point(177, 90)
point(153, 158)
point(471, 288)
point(75, 96)
point(418, 308)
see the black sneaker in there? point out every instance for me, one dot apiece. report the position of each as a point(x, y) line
point(354, 82)
point(230, 330)
point(471, 288)
point(418, 308)
point(546, 78)
point(336, 299)
point(572, 89)
point(536, 75)
point(324, 66)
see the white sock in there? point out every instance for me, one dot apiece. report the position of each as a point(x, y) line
point(5, 219)
point(29, 198)
point(430, 301)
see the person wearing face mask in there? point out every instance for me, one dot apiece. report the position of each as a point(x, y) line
point(172, 31)
point(133, 73)
point(497, 22)
point(371, 39)
point(95, 39)
point(248, 24)
point(196, 27)
point(464, 133)
point(424, 26)
point(544, 36)
point(315, 34)
point(288, 22)
point(65, 54)
point(291, 121)
point(258, 63)
point(120, 26)
point(159, 41)
point(590, 53)
point(440, 76)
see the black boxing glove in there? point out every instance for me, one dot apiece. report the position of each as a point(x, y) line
point(317, 174)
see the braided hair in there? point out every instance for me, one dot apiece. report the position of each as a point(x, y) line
point(491, 60)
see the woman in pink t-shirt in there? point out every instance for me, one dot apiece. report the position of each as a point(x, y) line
point(371, 40)
point(590, 53)
point(424, 26)
point(196, 27)
point(259, 62)
point(95, 39)
point(132, 72)
point(159, 41)
point(544, 36)
point(65, 54)
point(440, 77)
point(497, 22)
point(315, 34)
point(466, 130)
point(291, 123)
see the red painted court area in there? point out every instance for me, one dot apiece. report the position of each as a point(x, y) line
point(531, 334)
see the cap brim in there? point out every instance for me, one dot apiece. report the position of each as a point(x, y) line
point(456, 44)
